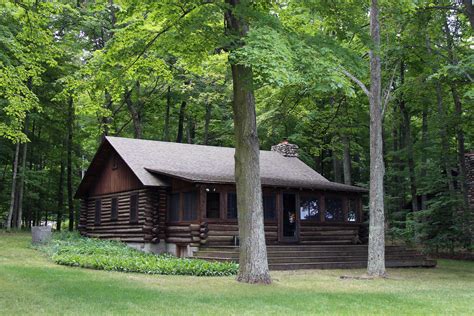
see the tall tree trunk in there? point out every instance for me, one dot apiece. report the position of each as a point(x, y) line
point(106, 120)
point(408, 142)
point(182, 109)
point(59, 214)
point(376, 258)
point(134, 113)
point(443, 133)
point(70, 122)
point(253, 264)
point(336, 167)
point(424, 155)
point(23, 176)
point(8, 224)
point(469, 10)
point(207, 122)
point(347, 160)
point(459, 121)
point(166, 131)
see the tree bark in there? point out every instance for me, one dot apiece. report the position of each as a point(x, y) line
point(424, 156)
point(23, 176)
point(253, 264)
point(459, 121)
point(166, 132)
point(70, 122)
point(347, 161)
point(336, 167)
point(376, 258)
point(469, 10)
point(182, 109)
point(59, 214)
point(408, 142)
point(206, 123)
point(134, 113)
point(8, 224)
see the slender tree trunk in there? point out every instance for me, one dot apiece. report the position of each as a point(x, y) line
point(469, 10)
point(336, 167)
point(59, 216)
point(23, 176)
point(253, 264)
point(376, 258)
point(206, 123)
point(135, 114)
point(347, 160)
point(106, 120)
point(182, 109)
point(459, 121)
point(8, 224)
point(408, 142)
point(424, 155)
point(166, 132)
point(70, 122)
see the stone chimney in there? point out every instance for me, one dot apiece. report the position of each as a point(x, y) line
point(286, 149)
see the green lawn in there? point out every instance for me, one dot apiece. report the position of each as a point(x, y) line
point(31, 284)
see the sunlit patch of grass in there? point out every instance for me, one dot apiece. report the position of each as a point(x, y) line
point(30, 283)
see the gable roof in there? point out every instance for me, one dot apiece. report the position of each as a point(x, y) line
point(151, 160)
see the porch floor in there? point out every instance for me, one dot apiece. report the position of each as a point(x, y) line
point(294, 257)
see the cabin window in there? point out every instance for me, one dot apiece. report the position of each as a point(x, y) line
point(98, 211)
point(231, 205)
point(134, 208)
point(309, 208)
point(213, 202)
point(334, 211)
point(269, 206)
point(114, 209)
point(189, 206)
point(174, 208)
point(352, 211)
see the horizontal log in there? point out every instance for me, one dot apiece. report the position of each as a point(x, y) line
point(178, 234)
point(177, 240)
point(220, 238)
point(178, 229)
point(222, 233)
point(223, 227)
point(194, 226)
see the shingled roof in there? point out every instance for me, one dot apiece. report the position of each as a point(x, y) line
point(151, 160)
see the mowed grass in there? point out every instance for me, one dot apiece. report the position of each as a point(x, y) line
point(31, 284)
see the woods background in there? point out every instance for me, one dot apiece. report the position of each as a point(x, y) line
point(74, 71)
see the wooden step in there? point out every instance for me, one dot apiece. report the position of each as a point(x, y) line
point(287, 257)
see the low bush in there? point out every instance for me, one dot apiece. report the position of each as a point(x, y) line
point(73, 250)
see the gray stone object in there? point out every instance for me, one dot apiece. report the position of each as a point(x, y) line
point(41, 234)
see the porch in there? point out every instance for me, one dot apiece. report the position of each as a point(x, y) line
point(294, 257)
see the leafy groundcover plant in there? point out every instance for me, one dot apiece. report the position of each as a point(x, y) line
point(74, 250)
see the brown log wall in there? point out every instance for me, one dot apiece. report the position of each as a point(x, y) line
point(146, 229)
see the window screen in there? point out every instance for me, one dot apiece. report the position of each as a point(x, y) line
point(113, 210)
point(309, 208)
point(231, 205)
point(269, 206)
point(213, 205)
point(173, 210)
point(189, 206)
point(134, 208)
point(352, 212)
point(334, 211)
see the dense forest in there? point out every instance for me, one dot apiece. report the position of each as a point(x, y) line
point(72, 72)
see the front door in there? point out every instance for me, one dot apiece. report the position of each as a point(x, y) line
point(289, 220)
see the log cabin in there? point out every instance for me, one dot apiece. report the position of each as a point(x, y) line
point(180, 198)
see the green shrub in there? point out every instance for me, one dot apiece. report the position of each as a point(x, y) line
point(73, 250)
